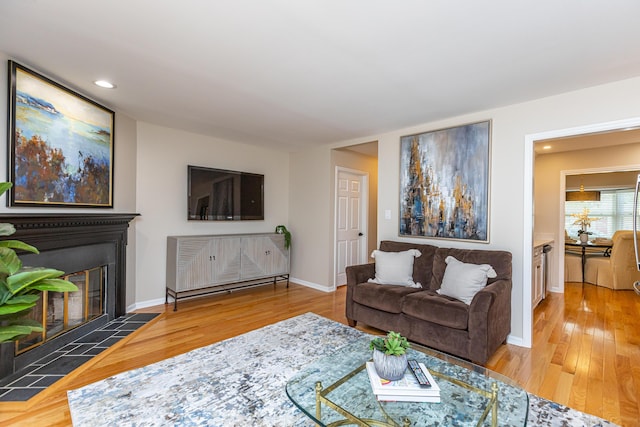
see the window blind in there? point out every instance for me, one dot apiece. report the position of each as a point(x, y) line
point(615, 210)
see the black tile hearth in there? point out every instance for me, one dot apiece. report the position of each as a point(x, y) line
point(37, 376)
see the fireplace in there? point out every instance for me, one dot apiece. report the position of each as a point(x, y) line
point(60, 312)
point(91, 250)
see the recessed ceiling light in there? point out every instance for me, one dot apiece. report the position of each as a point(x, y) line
point(105, 84)
point(546, 147)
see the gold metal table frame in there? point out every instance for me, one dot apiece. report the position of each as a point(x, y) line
point(351, 419)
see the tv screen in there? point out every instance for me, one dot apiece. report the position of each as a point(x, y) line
point(223, 195)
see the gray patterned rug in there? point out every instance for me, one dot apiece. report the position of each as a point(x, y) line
point(241, 382)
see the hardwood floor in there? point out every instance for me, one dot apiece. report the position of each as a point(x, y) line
point(586, 351)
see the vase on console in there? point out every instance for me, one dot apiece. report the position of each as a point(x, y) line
point(584, 237)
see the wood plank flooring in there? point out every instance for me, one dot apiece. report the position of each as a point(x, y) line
point(586, 350)
point(585, 354)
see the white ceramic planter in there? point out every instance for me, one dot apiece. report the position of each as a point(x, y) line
point(389, 367)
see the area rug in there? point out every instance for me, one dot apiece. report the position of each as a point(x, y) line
point(241, 382)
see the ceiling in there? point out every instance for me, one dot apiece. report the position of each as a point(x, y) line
point(588, 141)
point(292, 74)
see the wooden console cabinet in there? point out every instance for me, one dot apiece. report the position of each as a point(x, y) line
point(198, 265)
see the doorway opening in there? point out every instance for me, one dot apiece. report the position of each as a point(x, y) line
point(534, 142)
point(355, 206)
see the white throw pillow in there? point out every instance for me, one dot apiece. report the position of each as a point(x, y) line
point(463, 281)
point(395, 268)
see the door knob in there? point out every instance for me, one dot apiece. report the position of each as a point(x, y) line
point(360, 234)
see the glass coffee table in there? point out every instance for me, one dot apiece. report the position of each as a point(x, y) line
point(335, 391)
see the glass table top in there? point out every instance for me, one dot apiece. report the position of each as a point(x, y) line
point(344, 396)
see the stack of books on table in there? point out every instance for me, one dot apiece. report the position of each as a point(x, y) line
point(406, 389)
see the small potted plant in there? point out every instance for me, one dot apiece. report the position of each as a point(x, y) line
point(281, 229)
point(584, 221)
point(390, 355)
point(584, 236)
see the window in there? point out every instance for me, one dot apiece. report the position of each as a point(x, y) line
point(615, 210)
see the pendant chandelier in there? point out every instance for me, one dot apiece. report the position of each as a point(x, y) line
point(582, 196)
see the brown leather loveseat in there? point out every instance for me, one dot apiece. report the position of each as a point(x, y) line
point(472, 332)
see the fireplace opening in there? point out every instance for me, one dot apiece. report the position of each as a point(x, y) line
point(65, 316)
point(60, 312)
point(92, 251)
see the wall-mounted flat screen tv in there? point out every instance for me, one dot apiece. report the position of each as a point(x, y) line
point(224, 195)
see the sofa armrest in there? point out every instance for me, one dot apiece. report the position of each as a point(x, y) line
point(489, 319)
point(360, 273)
point(484, 298)
point(356, 274)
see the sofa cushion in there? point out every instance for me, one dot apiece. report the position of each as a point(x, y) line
point(463, 280)
point(499, 260)
point(395, 268)
point(422, 265)
point(438, 309)
point(387, 298)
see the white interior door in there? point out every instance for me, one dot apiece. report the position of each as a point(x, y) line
point(351, 240)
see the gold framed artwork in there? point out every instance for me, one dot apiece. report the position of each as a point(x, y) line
point(60, 144)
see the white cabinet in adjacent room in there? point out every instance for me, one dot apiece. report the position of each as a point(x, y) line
point(540, 270)
point(538, 276)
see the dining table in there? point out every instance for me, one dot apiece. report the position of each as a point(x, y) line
point(588, 248)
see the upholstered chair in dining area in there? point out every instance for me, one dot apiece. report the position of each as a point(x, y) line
point(572, 267)
point(618, 271)
point(572, 262)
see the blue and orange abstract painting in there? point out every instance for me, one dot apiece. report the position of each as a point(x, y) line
point(444, 183)
point(62, 145)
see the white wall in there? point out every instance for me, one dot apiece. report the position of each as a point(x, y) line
point(311, 217)
point(162, 157)
point(603, 180)
point(124, 187)
point(509, 192)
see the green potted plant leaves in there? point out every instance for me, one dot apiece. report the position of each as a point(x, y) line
point(390, 355)
point(281, 229)
point(20, 287)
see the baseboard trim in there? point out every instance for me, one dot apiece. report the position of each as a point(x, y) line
point(146, 304)
point(160, 301)
point(516, 341)
point(312, 285)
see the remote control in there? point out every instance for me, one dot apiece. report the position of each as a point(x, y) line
point(417, 372)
